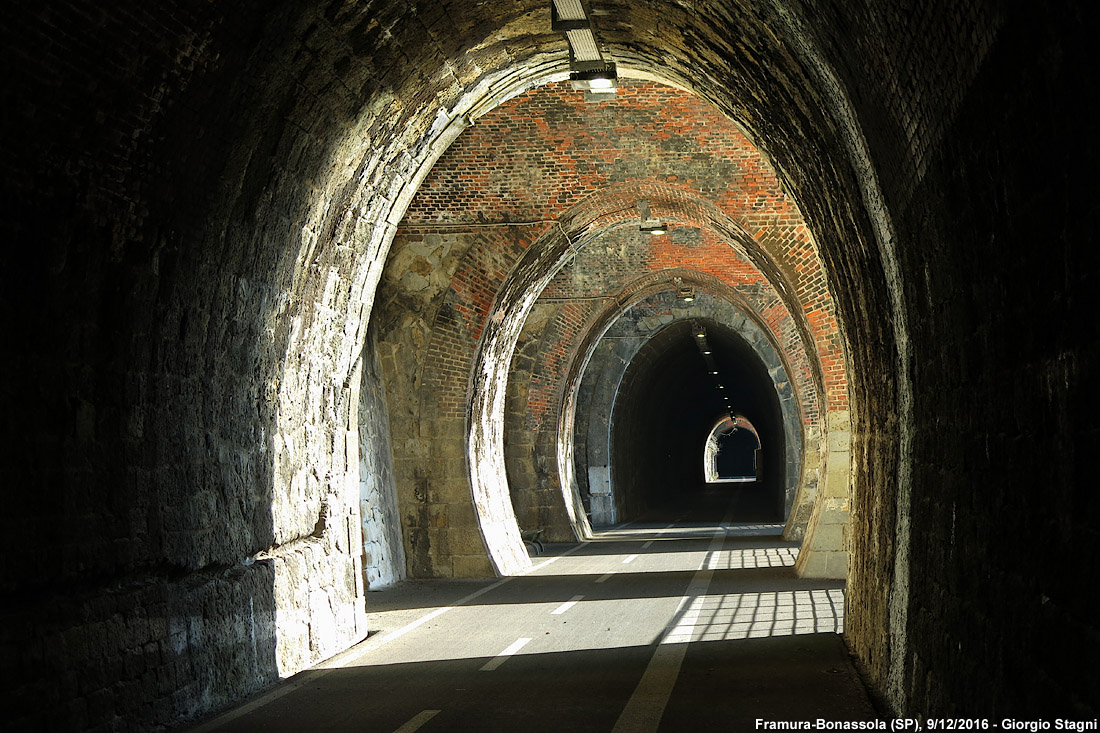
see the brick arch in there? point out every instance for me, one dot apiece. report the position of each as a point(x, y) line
point(538, 158)
point(783, 339)
point(807, 300)
point(600, 213)
point(777, 243)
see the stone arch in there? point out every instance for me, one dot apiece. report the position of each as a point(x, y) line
point(747, 325)
point(332, 265)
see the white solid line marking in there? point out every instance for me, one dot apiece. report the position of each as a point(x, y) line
point(418, 720)
point(566, 606)
point(629, 559)
point(604, 578)
point(645, 707)
point(503, 656)
point(646, 545)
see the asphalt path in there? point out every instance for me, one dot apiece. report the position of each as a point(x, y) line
point(688, 624)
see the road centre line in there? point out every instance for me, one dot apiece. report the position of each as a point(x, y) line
point(566, 606)
point(646, 545)
point(645, 707)
point(605, 577)
point(630, 559)
point(501, 658)
point(417, 721)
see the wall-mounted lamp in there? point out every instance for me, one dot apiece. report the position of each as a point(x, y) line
point(656, 227)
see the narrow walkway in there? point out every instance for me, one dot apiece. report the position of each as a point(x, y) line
point(696, 626)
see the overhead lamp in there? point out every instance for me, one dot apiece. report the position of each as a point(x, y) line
point(589, 71)
point(654, 226)
point(593, 76)
point(685, 293)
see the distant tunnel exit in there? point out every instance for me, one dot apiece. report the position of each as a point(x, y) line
point(732, 452)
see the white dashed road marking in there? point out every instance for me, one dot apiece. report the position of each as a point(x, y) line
point(566, 606)
point(501, 658)
point(418, 720)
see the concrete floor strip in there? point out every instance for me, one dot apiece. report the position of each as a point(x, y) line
point(410, 626)
point(541, 565)
point(417, 721)
point(566, 606)
point(501, 658)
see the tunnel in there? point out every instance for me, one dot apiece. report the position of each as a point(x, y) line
point(667, 405)
point(308, 300)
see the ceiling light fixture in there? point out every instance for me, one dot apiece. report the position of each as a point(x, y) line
point(593, 76)
point(652, 225)
point(589, 70)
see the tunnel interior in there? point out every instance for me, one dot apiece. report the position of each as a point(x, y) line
point(202, 198)
point(668, 403)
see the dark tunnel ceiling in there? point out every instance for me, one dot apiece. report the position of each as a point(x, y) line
point(669, 403)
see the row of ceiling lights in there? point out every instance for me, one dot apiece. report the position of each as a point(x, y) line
point(712, 364)
point(598, 77)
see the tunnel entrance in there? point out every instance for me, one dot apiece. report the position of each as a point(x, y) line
point(672, 396)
